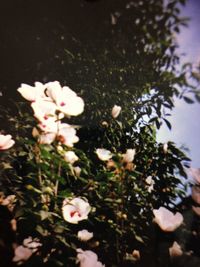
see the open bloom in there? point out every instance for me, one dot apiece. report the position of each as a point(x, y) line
point(166, 220)
point(32, 93)
point(44, 109)
point(66, 100)
point(103, 154)
point(70, 157)
point(75, 210)
point(6, 141)
point(88, 258)
point(84, 235)
point(129, 155)
point(175, 250)
point(116, 111)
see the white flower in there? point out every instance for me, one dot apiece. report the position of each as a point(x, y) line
point(129, 155)
point(150, 183)
point(6, 141)
point(70, 157)
point(49, 125)
point(84, 235)
point(166, 220)
point(22, 254)
point(165, 148)
point(196, 194)
point(175, 250)
point(32, 93)
point(88, 258)
point(103, 154)
point(67, 135)
point(116, 111)
point(66, 100)
point(44, 109)
point(75, 210)
point(77, 170)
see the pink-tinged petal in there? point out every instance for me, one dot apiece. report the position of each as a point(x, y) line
point(6, 141)
point(22, 254)
point(167, 221)
point(116, 111)
point(88, 258)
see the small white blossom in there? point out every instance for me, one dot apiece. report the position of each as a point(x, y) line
point(103, 154)
point(129, 155)
point(6, 141)
point(167, 221)
point(75, 210)
point(84, 235)
point(116, 111)
point(70, 157)
point(88, 258)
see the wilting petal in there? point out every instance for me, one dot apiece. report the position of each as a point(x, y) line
point(175, 250)
point(103, 154)
point(88, 258)
point(6, 141)
point(75, 210)
point(166, 220)
point(84, 235)
point(116, 111)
